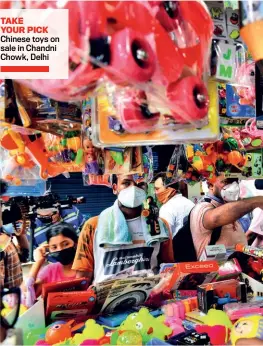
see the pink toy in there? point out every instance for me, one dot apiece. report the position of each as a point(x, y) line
point(246, 79)
point(90, 342)
point(175, 324)
point(237, 310)
point(41, 343)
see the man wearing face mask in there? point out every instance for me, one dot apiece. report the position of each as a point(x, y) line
point(48, 217)
point(118, 242)
point(221, 212)
point(175, 207)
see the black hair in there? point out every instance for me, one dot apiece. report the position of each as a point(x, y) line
point(66, 229)
point(113, 179)
point(151, 198)
point(163, 177)
point(3, 187)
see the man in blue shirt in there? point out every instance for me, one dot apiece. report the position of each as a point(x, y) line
point(49, 216)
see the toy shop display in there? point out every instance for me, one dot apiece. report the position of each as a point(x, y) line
point(39, 155)
point(109, 124)
point(35, 112)
point(141, 58)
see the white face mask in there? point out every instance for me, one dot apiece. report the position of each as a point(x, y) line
point(231, 192)
point(132, 197)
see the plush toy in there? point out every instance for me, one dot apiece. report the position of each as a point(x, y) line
point(247, 327)
point(217, 325)
point(148, 326)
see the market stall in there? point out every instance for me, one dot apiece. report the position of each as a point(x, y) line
point(131, 191)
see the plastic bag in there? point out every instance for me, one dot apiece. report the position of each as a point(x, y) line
point(39, 155)
point(137, 44)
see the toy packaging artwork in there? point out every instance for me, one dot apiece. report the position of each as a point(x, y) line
point(187, 276)
point(216, 295)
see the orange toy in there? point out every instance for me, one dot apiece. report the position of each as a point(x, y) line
point(60, 332)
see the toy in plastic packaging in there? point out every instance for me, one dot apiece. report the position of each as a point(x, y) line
point(37, 112)
point(52, 155)
point(248, 136)
point(212, 159)
point(109, 129)
point(149, 37)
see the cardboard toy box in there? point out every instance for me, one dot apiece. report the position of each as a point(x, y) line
point(189, 275)
point(216, 294)
point(70, 305)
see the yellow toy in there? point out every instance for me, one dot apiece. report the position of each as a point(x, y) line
point(247, 327)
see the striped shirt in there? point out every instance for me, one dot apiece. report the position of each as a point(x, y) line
point(10, 267)
point(71, 215)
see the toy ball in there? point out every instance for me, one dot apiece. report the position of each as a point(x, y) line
point(129, 337)
point(41, 343)
point(247, 327)
point(58, 333)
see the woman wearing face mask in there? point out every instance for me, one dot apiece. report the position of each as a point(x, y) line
point(61, 248)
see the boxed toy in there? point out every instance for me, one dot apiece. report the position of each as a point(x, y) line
point(189, 275)
point(237, 104)
point(70, 305)
point(215, 295)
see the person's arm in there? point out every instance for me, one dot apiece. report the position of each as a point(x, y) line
point(230, 212)
point(84, 259)
point(166, 254)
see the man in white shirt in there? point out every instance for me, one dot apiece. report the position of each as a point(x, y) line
point(175, 207)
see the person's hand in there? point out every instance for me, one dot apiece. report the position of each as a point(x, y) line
point(40, 253)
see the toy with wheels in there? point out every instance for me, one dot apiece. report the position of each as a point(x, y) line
point(135, 115)
point(129, 42)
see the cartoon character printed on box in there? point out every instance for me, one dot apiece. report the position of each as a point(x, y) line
point(91, 163)
point(239, 102)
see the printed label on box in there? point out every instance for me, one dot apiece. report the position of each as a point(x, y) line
point(34, 44)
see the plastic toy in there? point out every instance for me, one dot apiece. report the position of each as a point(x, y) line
point(92, 331)
point(245, 77)
point(148, 326)
point(213, 317)
point(95, 47)
point(249, 250)
point(219, 335)
point(247, 327)
point(60, 331)
point(90, 153)
point(129, 337)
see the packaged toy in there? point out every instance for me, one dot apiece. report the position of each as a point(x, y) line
point(188, 276)
point(217, 294)
point(139, 33)
point(65, 305)
point(237, 310)
point(249, 250)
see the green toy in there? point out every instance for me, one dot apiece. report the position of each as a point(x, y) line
point(148, 326)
